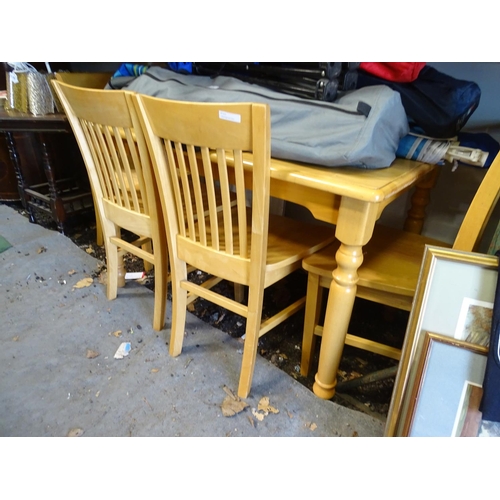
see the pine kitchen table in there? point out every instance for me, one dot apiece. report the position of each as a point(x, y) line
point(353, 199)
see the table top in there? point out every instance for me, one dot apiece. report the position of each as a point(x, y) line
point(370, 185)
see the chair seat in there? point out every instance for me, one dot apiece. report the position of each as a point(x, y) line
point(290, 241)
point(388, 275)
point(391, 260)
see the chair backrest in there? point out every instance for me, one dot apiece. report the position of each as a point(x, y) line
point(89, 80)
point(480, 209)
point(198, 149)
point(110, 138)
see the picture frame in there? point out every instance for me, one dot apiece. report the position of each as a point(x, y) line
point(474, 322)
point(448, 388)
point(447, 277)
point(468, 418)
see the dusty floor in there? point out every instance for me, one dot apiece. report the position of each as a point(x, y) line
point(59, 377)
point(282, 346)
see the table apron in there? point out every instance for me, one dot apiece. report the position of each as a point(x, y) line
point(323, 206)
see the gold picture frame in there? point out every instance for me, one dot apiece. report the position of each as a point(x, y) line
point(446, 278)
point(444, 401)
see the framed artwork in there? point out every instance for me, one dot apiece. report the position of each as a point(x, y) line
point(474, 322)
point(454, 299)
point(447, 390)
point(468, 418)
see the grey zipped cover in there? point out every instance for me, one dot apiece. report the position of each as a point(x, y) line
point(361, 128)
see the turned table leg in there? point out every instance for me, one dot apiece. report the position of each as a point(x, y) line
point(420, 199)
point(338, 314)
point(354, 229)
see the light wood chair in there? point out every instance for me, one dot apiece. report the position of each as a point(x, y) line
point(195, 146)
point(390, 268)
point(97, 80)
point(112, 144)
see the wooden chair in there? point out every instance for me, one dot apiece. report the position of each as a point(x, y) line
point(195, 146)
point(89, 80)
point(390, 268)
point(110, 138)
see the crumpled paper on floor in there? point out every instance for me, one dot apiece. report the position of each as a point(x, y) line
point(123, 350)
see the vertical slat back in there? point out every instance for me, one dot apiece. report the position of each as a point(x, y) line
point(211, 197)
point(226, 201)
point(199, 193)
point(185, 189)
point(241, 203)
point(114, 168)
point(176, 190)
point(203, 153)
point(96, 155)
point(114, 148)
point(480, 209)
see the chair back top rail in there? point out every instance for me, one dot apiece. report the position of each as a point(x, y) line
point(479, 212)
point(94, 80)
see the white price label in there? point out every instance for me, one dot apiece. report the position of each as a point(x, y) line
point(230, 117)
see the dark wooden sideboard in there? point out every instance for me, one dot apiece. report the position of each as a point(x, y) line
point(8, 181)
point(49, 170)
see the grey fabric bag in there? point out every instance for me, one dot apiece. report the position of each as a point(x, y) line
point(362, 128)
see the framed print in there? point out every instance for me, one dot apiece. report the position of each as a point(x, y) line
point(468, 417)
point(447, 391)
point(474, 322)
point(452, 298)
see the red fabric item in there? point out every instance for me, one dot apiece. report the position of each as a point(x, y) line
point(394, 71)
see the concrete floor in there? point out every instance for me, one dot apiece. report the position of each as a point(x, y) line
point(49, 387)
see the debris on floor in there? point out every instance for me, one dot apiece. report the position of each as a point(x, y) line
point(232, 404)
point(75, 432)
point(311, 425)
point(263, 409)
point(85, 282)
point(123, 350)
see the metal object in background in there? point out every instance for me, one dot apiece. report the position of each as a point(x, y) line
point(320, 81)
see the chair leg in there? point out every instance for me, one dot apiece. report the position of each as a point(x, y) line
point(179, 307)
point(311, 318)
point(254, 318)
point(239, 292)
point(112, 265)
point(98, 230)
point(110, 230)
point(161, 281)
point(148, 247)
